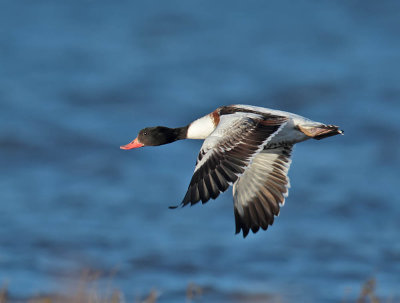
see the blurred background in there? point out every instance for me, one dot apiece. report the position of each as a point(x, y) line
point(80, 78)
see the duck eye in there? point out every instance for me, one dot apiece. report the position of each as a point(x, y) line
point(145, 133)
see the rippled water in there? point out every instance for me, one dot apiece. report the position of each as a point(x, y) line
point(80, 78)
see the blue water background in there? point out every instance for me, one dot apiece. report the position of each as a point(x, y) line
point(80, 78)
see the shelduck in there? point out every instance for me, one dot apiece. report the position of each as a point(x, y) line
point(246, 146)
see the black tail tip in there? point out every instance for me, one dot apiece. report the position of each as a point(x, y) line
point(329, 131)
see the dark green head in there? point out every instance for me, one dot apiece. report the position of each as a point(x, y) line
point(158, 135)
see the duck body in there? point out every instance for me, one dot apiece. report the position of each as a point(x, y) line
point(246, 146)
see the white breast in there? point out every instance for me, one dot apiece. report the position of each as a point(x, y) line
point(201, 128)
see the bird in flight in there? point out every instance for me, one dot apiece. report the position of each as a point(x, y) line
point(245, 146)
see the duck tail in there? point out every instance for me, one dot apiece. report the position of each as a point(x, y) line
point(320, 131)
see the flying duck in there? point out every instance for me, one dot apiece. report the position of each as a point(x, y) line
point(246, 146)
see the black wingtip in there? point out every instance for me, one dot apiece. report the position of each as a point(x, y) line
point(239, 226)
point(173, 207)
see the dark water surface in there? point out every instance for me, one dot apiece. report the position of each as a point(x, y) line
point(80, 78)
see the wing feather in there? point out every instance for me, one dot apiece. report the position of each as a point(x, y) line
point(260, 192)
point(227, 152)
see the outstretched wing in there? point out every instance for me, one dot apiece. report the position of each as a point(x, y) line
point(226, 153)
point(260, 192)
